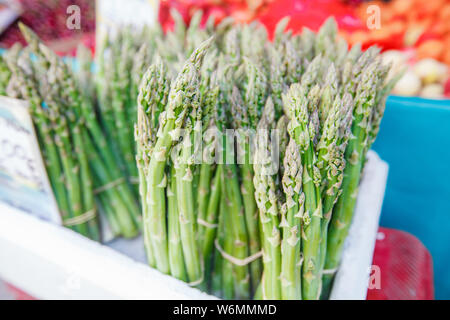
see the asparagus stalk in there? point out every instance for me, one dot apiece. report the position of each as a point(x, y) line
point(142, 163)
point(214, 205)
point(291, 224)
point(130, 218)
point(302, 130)
point(331, 148)
point(231, 287)
point(266, 199)
point(276, 78)
point(122, 103)
point(209, 195)
point(153, 92)
point(87, 186)
point(209, 96)
point(185, 197)
point(217, 275)
point(83, 108)
point(238, 232)
point(176, 257)
point(84, 74)
point(247, 188)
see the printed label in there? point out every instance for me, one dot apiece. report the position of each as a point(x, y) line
point(23, 179)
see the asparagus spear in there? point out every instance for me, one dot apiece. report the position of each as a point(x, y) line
point(241, 124)
point(302, 130)
point(325, 40)
point(210, 234)
point(210, 189)
point(84, 74)
point(185, 197)
point(291, 224)
point(121, 101)
point(67, 131)
point(230, 285)
point(279, 33)
point(209, 96)
point(331, 149)
point(238, 232)
point(176, 257)
point(266, 199)
point(216, 275)
point(153, 92)
point(276, 78)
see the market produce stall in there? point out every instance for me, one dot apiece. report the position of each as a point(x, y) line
point(230, 156)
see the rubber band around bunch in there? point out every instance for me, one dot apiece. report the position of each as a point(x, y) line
point(82, 218)
point(109, 185)
point(237, 261)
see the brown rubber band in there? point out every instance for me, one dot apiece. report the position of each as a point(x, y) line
point(109, 185)
point(237, 261)
point(82, 218)
point(206, 223)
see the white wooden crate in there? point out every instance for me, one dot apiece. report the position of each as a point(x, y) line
point(51, 262)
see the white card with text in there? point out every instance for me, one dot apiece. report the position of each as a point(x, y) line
point(23, 179)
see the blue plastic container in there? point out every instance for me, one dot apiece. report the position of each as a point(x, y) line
point(415, 140)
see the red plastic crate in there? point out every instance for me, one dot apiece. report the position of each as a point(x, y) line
point(406, 267)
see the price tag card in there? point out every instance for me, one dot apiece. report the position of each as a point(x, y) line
point(23, 179)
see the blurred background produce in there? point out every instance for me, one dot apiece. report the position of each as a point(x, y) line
point(415, 29)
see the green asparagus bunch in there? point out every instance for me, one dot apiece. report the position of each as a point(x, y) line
point(80, 162)
point(285, 127)
point(158, 137)
point(121, 59)
point(369, 95)
point(58, 124)
point(194, 195)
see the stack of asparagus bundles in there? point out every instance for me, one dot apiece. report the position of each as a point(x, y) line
point(122, 56)
point(120, 64)
point(250, 158)
point(59, 128)
point(80, 162)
